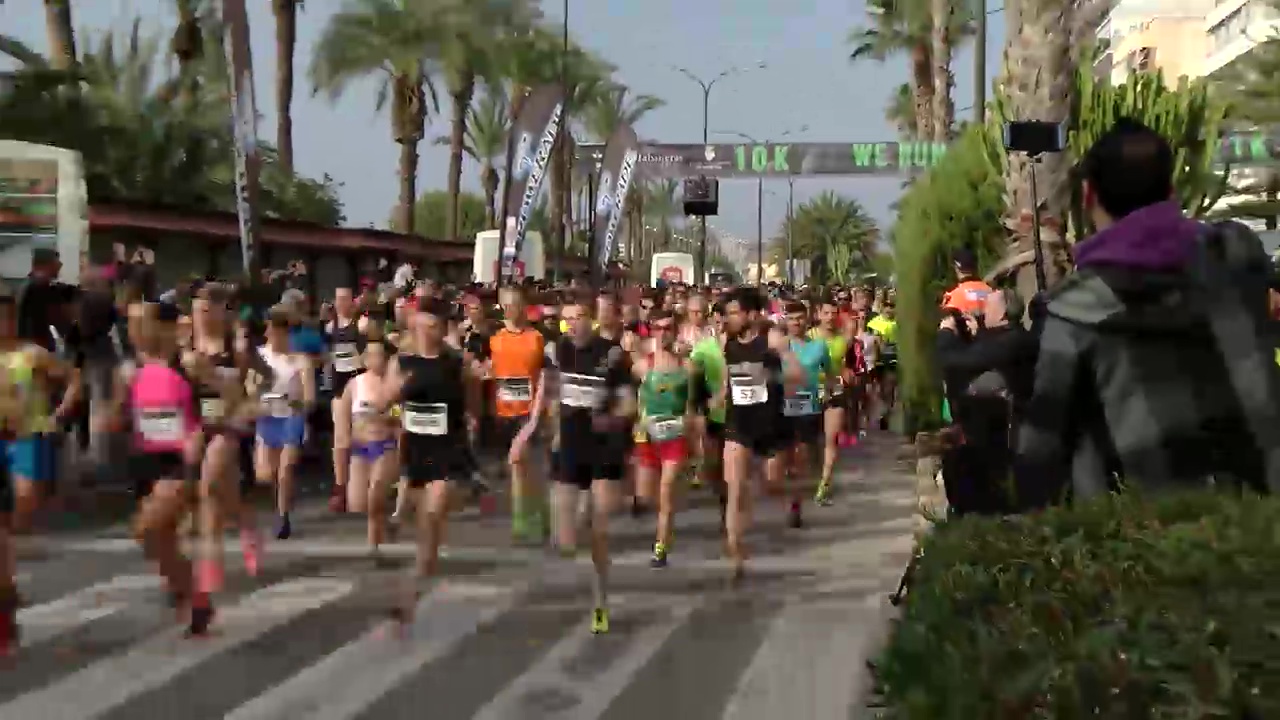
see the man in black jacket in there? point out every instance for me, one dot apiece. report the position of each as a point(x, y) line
point(987, 363)
point(1155, 365)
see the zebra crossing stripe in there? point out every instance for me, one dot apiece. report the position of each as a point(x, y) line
point(351, 678)
point(113, 681)
point(594, 688)
point(44, 622)
point(807, 664)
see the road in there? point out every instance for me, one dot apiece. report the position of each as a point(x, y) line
point(503, 636)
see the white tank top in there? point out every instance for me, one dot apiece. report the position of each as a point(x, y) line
point(287, 371)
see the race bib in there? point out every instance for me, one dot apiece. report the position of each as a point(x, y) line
point(212, 408)
point(746, 390)
point(581, 391)
point(425, 418)
point(662, 429)
point(512, 389)
point(160, 426)
point(799, 404)
point(277, 405)
point(346, 358)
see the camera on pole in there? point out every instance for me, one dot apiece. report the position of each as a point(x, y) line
point(1035, 138)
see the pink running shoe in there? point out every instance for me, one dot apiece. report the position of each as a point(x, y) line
point(209, 576)
point(844, 440)
point(251, 547)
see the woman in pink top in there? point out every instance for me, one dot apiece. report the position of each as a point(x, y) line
point(167, 446)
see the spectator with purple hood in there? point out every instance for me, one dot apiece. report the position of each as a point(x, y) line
point(1154, 367)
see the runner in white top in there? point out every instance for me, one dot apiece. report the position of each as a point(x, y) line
point(375, 465)
point(282, 419)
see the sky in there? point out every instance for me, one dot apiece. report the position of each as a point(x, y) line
point(808, 81)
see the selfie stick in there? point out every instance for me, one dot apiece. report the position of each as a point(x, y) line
point(1042, 280)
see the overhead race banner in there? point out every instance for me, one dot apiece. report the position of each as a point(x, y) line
point(532, 140)
point(621, 155)
point(746, 160)
point(244, 119)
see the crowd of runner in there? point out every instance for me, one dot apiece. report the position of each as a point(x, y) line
point(586, 398)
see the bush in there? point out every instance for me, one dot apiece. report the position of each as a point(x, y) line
point(1116, 608)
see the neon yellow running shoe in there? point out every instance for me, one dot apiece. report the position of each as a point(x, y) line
point(599, 621)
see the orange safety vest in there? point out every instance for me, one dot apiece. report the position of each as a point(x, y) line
point(968, 297)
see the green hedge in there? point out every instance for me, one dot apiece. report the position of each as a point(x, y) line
point(956, 204)
point(1118, 608)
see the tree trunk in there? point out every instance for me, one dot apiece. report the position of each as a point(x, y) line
point(457, 138)
point(61, 34)
point(1038, 80)
point(286, 12)
point(408, 186)
point(408, 118)
point(922, 90)
point(943, 109)
point(489, 177)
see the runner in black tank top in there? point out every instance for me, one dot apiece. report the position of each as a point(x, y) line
point(439, 398)
point(346, 343)
point(758, 362)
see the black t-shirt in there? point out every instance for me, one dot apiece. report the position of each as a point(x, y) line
point(591, 379)
point(433, 403)
point(754, 375)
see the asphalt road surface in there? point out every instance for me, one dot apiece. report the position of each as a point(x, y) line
point(503, 636)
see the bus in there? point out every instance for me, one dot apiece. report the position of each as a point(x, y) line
point(487, 264)
point(672, 268)
point(43, 204)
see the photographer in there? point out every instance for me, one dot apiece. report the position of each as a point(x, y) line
point(988, 366)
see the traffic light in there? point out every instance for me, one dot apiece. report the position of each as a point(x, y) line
point(701, 196)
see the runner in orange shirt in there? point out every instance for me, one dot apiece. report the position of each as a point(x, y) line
point(516, 354)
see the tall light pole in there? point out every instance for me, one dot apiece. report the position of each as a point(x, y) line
point(566, 229)
point(760, 204)
point(791, 213)
point(700, 266)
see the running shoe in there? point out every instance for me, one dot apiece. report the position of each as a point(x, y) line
point(201, 615)
point(338, 499)
point(251, 549)
point(599, 621)
point(823, 496)
point(659, 557)
point(9, 634)
point(284, 530)
point(794, 518)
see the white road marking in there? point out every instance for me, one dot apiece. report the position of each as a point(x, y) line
point(46, 621)
point(346, 681)
point(594, 692)
point(114, 680)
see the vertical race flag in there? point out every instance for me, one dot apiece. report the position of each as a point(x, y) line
point(620, 156)
point(244, 120)
point(533, 137)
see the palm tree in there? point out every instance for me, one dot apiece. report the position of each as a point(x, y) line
point(392, 40)
point(902, 113)
point(834, 231)
point(942, 107)
point(661, 205)
point(473, 33)
point(61, 33)
point(899, 27)
point(1038, 81)
point(286, 17)
point(485, 142)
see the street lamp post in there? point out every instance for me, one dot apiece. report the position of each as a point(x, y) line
point(760, 204)
point(700, 268)
point(566, 229)
point(791, 209)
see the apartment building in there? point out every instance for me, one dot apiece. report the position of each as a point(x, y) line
point(1187, 38)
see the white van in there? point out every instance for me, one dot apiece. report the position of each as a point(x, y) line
point(487, 263)
point(43, 204)
point(671, 267)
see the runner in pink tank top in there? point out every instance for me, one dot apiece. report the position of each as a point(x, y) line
point(167, 444)
point(164, 417)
